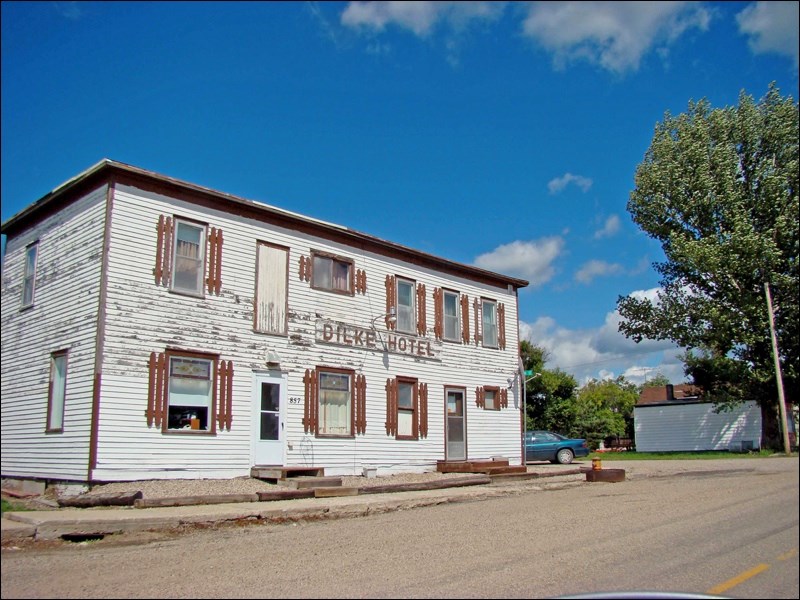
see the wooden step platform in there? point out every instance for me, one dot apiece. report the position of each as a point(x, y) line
point(273, 474)
point(474, 466)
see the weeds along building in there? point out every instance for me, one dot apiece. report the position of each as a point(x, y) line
point(156, 329)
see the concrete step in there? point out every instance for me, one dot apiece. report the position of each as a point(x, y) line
point(300, 483)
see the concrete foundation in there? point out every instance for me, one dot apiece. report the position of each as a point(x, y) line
point(607, 475)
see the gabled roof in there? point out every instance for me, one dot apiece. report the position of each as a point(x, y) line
point(107, 170)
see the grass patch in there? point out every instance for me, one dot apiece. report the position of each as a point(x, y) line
point(8, 505)
point(633, 455)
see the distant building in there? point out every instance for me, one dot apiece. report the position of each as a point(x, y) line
point(156, 329)
point(675, 418)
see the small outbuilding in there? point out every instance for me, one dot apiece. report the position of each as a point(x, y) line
point(676, 418)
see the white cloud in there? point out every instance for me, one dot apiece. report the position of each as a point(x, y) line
point(771, 27)
point(610, 228)
point(603, 352)
point(558, 184)
point(596, 268)
point(419, 17)
point(613, 35)
point(532, 260)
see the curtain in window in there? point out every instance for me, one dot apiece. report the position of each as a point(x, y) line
point(334, 404)
point(58, 386)
point(405, 306)
point(489, 324)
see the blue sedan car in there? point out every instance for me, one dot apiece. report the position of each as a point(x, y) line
point(546, 445)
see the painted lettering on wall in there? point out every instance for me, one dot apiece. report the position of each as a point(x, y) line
point(346, 334)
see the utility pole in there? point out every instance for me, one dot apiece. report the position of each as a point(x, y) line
point(778, 376)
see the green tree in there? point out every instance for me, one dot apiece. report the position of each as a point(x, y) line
point(718, 188)
point(548, 393)
point(605, 408)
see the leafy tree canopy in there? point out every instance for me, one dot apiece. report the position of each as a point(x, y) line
point(718, 188)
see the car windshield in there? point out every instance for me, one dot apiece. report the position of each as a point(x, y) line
point(543, 436)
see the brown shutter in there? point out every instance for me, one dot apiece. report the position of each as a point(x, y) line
point(391, 301)
point(465, 319)
point(157, 390)
point(225, 395)
point(311, 404)
point(361, 281)
point(305, 268)
point(503, 398)
point(422, 310)
point(423, 410)
point(501, 325)
point(477, 316)
point(480, 398)
point(163, 268)
point(361, 404)
point(152, 365)
point(214, 279)
point(438, 313)
point(391, 407)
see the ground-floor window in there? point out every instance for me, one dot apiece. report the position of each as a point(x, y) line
point(190, 398)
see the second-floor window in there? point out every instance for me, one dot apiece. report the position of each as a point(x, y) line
point(187, 276)
point(271, 283)
point(489, 323)
point(331, 273)
point(29, 277)
point(406, 321)
point(452, 325)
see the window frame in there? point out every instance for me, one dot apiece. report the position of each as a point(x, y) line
point(493, 303)
point(321, 421)
point(412, 330)
point(211, 415)
point(332, 259)
point(495, 392)
point(203, 228)
point(55, 424)
point(456, 296)
point(29, 276)
point(414, 410)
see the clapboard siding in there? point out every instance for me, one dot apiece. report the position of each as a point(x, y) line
point(142, 317)
point(695, 427)
point(63, 317)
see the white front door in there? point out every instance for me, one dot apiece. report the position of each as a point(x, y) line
point(269, 400)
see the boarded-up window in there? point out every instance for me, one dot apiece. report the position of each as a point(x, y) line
point(272, 265)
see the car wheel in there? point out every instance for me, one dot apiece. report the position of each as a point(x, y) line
point(564, 456)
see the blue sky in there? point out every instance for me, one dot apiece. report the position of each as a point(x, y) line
point(504, 135)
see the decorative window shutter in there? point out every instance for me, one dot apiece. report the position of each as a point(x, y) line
point(361, 281)
point(361, 404)
point(163, 269)
point(391, 407)
point(438, 313)
point(214, 258)
point(465, 319)
point(480, 397)
point(501, 325)
point(422, 310)
point(305, 268)
point(391, 301)
point(157, 389)
point(477, 308)
point(423, 410)
point(504, 398)
point(225, 395)
point(311, 404)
